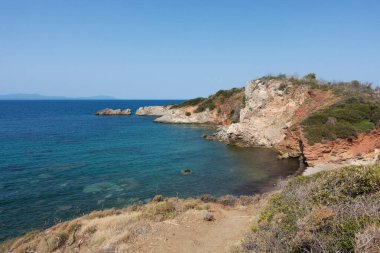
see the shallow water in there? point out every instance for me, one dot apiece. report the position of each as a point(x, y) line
point(58, 160)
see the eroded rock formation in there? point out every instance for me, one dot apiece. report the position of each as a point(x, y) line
point(272, 108)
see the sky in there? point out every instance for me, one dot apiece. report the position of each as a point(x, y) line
point(141, 49)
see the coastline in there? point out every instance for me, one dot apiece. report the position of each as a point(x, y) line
point(272, 112)
point(273, 133)
point(116, 187)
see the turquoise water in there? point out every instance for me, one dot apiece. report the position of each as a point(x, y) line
point(58, 161)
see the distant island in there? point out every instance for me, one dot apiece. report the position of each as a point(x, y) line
point(23, 96)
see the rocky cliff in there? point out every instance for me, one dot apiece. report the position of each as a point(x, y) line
point(272, 107)
point(300, 117)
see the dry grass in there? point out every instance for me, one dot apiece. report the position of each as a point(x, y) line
point(368, 240)
point(113, 230)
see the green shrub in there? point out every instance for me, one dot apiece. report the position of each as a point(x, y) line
point(224, 94)
point(311, 76)
point(208, 103)
point(320, 213)
point(282, 86)
point(190, 102)
point(353, 116)
point(275, 77)
point(188, 114)
point(364, 125)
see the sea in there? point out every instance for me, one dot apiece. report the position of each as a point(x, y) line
point(58, 161)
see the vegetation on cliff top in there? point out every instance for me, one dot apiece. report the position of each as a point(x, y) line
point(227, 103)
point(210, 102)
point(343, 120)
point(355, 89)
point(358, 109)
point(190, 102)
point(332, 211)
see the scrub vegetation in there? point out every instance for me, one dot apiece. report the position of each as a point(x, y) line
point(129, 229)
point(212, 101)
point(357, 111)
point(332, 211)
point(343, 120)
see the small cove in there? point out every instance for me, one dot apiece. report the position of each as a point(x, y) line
point(59, 161)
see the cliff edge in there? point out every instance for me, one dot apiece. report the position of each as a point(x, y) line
point(327, 124)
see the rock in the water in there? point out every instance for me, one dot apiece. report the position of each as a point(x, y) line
point(186, 171)
point(108, 111)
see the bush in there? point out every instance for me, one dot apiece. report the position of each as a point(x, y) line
point(188, 114)
point(190, 102)
point(324, 212)
point(207, 198)
point(159, 210)
point(225, 94)
point(275, 77)
point(282, 86)
point(311, 76)
point(352, 117)
point(227, 200)
point(208, 217)
point(207, 104)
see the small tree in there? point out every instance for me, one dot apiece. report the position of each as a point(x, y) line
point(310, 76)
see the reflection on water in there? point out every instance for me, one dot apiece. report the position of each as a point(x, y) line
point(60, 161)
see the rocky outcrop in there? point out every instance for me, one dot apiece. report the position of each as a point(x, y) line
point(110, 112)
point(167, 114)
point(222, 108)
point(362, 150)
point(185, 116)
point(268, 112)
point(272, 108)
point(153, 110)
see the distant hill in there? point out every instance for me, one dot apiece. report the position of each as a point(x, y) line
point(21, 96)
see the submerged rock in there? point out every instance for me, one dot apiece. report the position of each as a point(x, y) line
point(108, 111)
point(104, 187)
point(186, 171)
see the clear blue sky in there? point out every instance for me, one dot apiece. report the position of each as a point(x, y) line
point(181, 49)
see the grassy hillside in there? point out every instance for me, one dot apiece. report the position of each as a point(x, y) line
point(335, 211)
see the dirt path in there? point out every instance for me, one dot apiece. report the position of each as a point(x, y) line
point(190, 233)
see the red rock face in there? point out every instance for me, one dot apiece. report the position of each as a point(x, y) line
point(366, 146)
point(318, 100)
